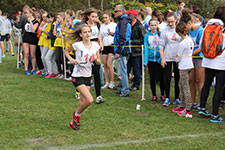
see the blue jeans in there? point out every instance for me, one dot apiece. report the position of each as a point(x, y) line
point(122, 68)
point(135, 62)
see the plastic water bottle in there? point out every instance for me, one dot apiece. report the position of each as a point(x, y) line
point(138, 107)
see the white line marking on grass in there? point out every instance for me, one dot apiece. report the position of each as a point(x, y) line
point(90, 146)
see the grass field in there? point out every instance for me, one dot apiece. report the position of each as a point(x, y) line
point(35, 114)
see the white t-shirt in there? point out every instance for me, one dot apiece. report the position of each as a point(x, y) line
point(185, 52)
point(169, 41)
point(104, 30)
point(95, 32)
point(162, 26)
point(217, 63)
point(84, 55)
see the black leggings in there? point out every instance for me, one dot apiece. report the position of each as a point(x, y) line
point(95, 71)
point(156, 72)
point(220, 81)
point(167, 78)
point(223, 95)
point(59, 59)
point(38, 58)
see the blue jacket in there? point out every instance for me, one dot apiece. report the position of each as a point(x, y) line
point(151, 49)
point(122, 36)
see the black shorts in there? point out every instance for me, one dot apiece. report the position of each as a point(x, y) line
point(107, 50)
point(77, 81)
point(5, 37)
point(30, 38)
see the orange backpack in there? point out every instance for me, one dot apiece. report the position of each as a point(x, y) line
point(212, 41)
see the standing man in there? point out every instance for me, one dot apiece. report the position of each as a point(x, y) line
point(181, 5)
point(137, 38)
point(23, 19)
point(148, 14)
point(122, 49)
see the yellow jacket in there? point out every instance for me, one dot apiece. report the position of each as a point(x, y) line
point(43, 41)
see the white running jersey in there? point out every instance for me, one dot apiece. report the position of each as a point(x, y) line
point(84, 55)
point(169, 41)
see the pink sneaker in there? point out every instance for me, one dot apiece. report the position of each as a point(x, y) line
point(184, 113)
point(178, 109)
point(54, 75)
point(49, 76)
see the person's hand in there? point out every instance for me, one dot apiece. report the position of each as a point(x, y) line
point(111, 33)
point(163, 63)
point(74, 61)
point(29, 19)
point(41, 29)
point(55, 22)
point(117, 56)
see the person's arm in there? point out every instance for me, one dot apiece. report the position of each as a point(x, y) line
point(162, 43)
point(32, 26)
point(198, 39)
point(21, 23)
point(67, 51)
point(97, 58)
point(122, 36)
point(146, 48)
point(197, 51)
point(139, 40)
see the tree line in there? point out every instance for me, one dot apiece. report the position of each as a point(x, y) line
point(207, 6)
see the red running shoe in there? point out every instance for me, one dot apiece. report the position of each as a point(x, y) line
point(75, 123)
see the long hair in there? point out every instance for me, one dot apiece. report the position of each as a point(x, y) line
point(182, 28)
point(87, 13)
point(159, 15)
point(220, 13)
point(75, 35)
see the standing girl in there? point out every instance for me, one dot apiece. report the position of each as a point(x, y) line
point(197, 75)
point(90, 17)
point(107, 31)
point(86, 53)
point(50, 56)
point(58, 44)
point(185, 65)
point(168, 47)
point(30, 41)
point(152, 58)
point(43, 41)
point(214, 67)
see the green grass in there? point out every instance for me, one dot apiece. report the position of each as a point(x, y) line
point(35, 114)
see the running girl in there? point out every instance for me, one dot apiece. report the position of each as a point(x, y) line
point(185, 65)
point(152, 58)
point(86, 53)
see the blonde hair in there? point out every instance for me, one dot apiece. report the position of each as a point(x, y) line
point(75, 35)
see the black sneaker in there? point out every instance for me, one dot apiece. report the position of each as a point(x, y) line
point(195, 106)
point(217, 119)
point(133, 89)
point(204, 112)
point(124, 95)
point(118, 93)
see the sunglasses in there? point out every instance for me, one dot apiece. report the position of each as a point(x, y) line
point(115, 11)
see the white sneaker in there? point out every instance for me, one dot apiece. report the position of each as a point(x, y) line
point(105, 86)
point(111, 85)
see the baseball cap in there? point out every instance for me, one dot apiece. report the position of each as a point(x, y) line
point(132, 12)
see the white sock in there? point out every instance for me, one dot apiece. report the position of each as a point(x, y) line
point(76, 114)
